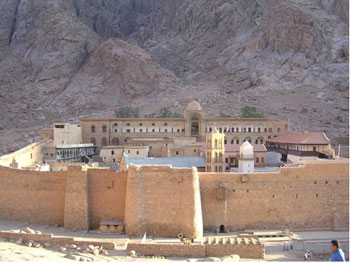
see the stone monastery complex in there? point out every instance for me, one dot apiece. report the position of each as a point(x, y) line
point(218, 175)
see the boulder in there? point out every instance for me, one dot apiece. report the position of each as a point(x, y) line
point(29, 231)
point(132, 253)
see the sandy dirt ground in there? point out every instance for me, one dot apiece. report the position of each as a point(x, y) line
point(10, 251)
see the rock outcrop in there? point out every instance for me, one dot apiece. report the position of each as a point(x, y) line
point(60, 59)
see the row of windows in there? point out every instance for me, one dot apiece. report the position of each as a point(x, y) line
point(237, 141)
point(141, 124)
point(104, 130)
point(241, 129)
point(154, 130)
point(244, 129)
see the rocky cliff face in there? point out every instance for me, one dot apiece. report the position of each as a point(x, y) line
point(63, 59)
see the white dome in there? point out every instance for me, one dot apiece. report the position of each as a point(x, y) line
point(194, 105)
point(246, 148)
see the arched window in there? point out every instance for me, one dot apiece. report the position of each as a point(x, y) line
point(104, 141)
point(115, 141)
point(93, 140)
point(104, 128)
point(93, 129)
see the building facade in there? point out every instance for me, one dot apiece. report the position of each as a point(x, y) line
point(136, 131)
point(298, 146)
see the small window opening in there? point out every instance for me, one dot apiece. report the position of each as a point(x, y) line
point(222, 229)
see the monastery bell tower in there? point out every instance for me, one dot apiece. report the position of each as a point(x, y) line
point(214, 152)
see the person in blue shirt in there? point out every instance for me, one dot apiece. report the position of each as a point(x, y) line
point(337, 253)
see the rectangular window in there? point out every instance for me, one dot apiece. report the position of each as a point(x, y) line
point(128, 124)
point(165, 124)
point(165, 130)
point(140, 130)
point(112, 152)
point(153, 130)
point(140, 124)
point(178, 130)
point(115, 124)
point(128, 130)
point(259, 129)
point(262, 159)
point(237, 129)
point(115, 130)
point(278, 129)
point(257, 160)
point(177, 153)
point(226, 160)
point(128, 151)
point(153, 124)
point(113, 160)
point(137, 152)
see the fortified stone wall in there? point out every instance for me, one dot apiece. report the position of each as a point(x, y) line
point(35, 197)
point(315, 196)
point(77, 198)
point(163, 201)
point(107, 192)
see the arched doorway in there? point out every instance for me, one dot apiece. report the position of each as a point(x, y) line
point(194, 126)
point(222, 229)
point(115, 141)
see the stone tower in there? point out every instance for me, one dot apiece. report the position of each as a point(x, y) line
point(194, 121)
point(214, 152)
point(246, 158)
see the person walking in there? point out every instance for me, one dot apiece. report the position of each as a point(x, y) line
point(337, 252)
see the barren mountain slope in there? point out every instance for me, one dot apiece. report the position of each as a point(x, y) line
point(289, 58)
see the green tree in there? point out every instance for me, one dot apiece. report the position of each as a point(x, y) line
point(165, 112)
point(150, 115)
point(251, 112)
point(224, 115)
point(127, 112)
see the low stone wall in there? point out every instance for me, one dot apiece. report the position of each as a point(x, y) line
point(244, 247)
point(209, 247)
point(167, 249)
point(49, 238)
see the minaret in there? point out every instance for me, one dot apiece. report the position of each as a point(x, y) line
point(214, 152)
point(246, 158)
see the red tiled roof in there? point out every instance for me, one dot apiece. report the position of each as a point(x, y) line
point(301, 138)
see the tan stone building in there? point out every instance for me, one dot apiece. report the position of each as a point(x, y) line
point(113, 154)
point(161, 132)
point(64, 134)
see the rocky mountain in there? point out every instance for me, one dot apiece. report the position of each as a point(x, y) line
point(62, 59)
